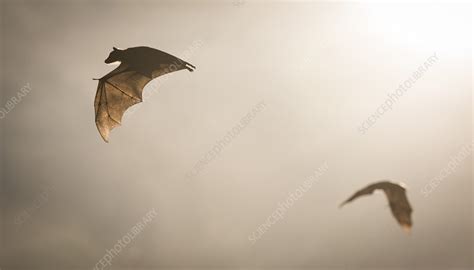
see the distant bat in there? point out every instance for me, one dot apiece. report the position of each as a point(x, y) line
point(397, 198)
point(123, 86)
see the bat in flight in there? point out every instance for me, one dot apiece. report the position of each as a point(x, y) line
point(397, 198)
point(123, 86)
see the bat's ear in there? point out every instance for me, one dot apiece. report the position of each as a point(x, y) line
point(115, 49)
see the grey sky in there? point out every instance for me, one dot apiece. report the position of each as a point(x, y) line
point(321, 69)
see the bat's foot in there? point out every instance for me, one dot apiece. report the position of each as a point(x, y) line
point(189, 67)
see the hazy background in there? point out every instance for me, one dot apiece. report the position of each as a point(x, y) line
point(321, 69)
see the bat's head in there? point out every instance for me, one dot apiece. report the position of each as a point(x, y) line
point(114, 56)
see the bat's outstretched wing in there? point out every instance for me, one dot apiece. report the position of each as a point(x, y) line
point(121, 89)
point(397, 198)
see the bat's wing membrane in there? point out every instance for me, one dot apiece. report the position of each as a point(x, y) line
point(118, 91)
point(399, 205)
point(362, 192)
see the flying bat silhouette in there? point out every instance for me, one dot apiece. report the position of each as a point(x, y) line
point(397, 198)
point(123, 86)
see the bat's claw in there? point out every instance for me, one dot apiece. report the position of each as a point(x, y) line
point(190, 67)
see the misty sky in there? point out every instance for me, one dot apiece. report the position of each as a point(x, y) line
point(320, 69)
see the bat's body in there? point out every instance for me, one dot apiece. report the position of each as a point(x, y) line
point(397, 198)
point(123, 86)
point(146, 59)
